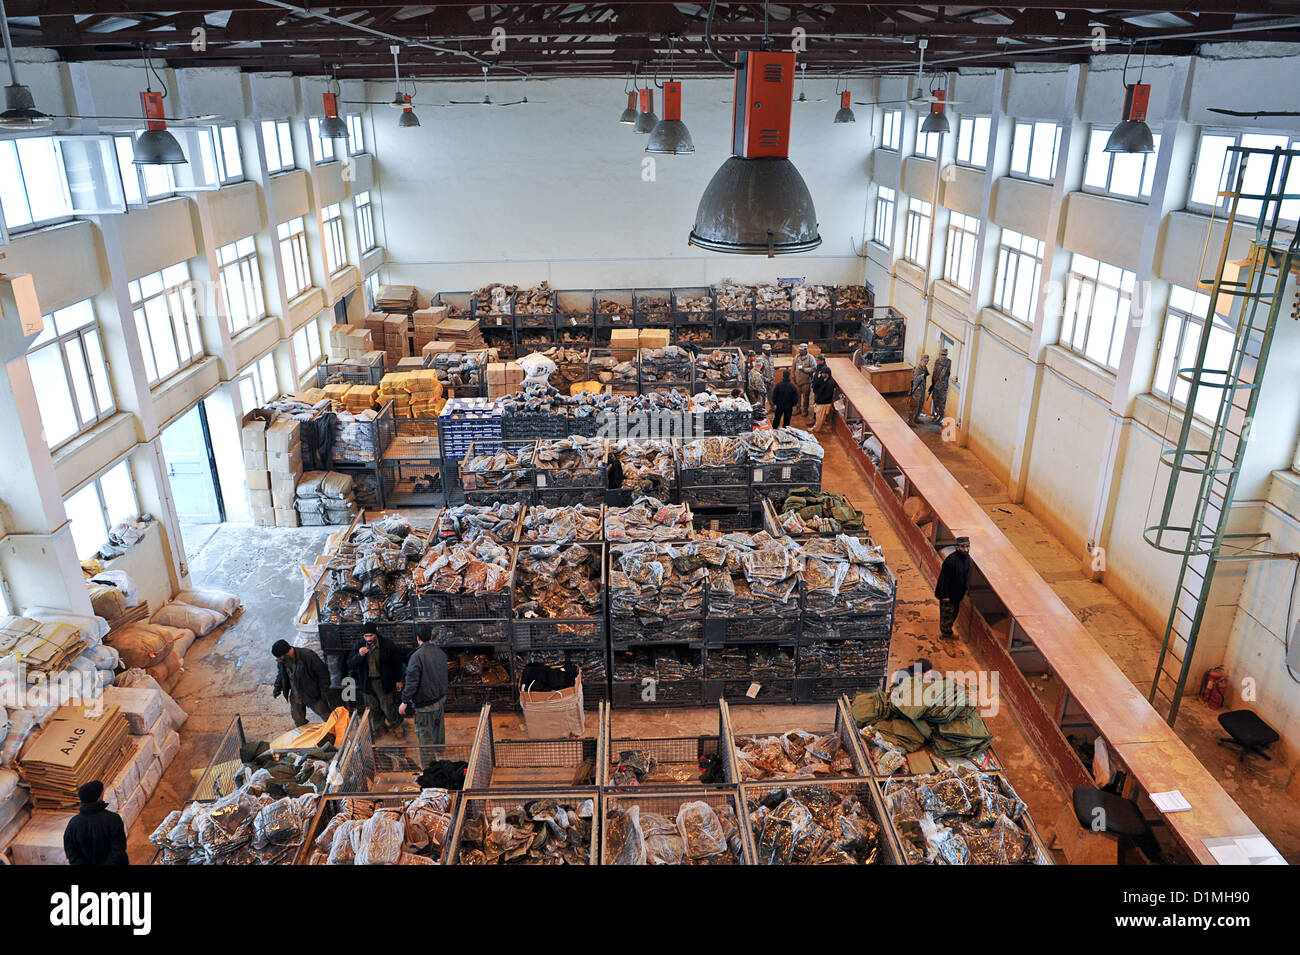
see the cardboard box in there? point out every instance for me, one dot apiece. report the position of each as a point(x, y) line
point(337, 391)
point(263, 516)
point(437, 348)
point(286, 517)
point(496, 373)
point(654, 337)
point(253, 434)
point(283, 489)
point(40, 842)
point(259, 480)
point(259, 498)
point(429, 317)
point(285, 462)
point(254, 460)
point(624, 342)
point(283, 434)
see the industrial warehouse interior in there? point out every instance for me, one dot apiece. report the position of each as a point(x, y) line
point(650, 434)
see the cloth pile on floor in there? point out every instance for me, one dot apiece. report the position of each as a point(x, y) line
point(844, 575)
point(325, 497)
point(813, 825)
point(649, 519)
point(806, 511)
point(374, 832)
point(960, 817)
point(580, 522)
point(793, 755)
point(477, 566)
point(699, 835)
point(470, 521)
point(558, 580)
point(919, 712)
point(538, 832)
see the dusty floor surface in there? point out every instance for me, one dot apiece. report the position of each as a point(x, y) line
point(231, 673)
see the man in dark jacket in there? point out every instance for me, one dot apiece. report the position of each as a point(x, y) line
point(951, 586)
point(95, 836)
point(824, 390)
point(424, 689)
point(784, 398)
point(303, 677)
point(376, 667)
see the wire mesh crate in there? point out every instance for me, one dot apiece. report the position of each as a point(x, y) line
point(330, 807)
point(349, 373)
point(523, 764)
point(765, 849)
point(660, 674)
point(469, 633)
point(633, 631)
point(620, 364)
point(531, 315)
point(592, 662)
point(478, 810)
point(720, 370)
point(678, 761)
point(534, 632)
point(726, 519)
point(751, 672)
point(761, 627)
point(552, 471)
point(503, 484)
point(613, 308)
point(787, 475)
point(365, 767)
point(576, 309)
point(842, 726)
point(666, 369)
point(652, 307)
point(728, 504)
point(465, 692)
point(693, 306)
point(668, 803)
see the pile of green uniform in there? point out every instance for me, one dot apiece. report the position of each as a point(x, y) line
point(822, 512)
point(920, 712)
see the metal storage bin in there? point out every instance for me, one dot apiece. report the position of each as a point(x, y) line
point(865, 790)
point(575, 317)
point(475, 807)
point(652, 307)
point(592, 662)
point(681, 756)
point(521, 765)
point(542, 632)
point(668, 803)
point(503, 485)
point(528, 317)
point(633, 687)
point(613, 308)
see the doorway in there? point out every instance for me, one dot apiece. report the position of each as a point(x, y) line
point(192, 471)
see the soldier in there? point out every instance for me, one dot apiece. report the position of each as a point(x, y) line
point(917, 393)
point(766, 363)
point(805, 366)
point(939, 385)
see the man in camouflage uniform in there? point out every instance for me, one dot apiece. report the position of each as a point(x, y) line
point(939, 385)
point(917, 393)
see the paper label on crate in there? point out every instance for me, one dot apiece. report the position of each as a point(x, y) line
point(498, 320)
point(752, 692)
point(541, 480)
point(785, 474)
point(758, 476)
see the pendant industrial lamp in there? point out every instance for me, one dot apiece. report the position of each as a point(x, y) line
point(670, 137)
point(757, 203)
point(1133, 135)
point(646, 118)
point(937, 121)
point(845, 113)
point(332, 127)
point(628, 117)
point(20, 110)
point(155, 146)
point(402, 100)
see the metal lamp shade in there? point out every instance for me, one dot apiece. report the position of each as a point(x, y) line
point(157, 147)
point(1130, 137)
point(628, 116)
point(20, 110)
point(646, 122)
point(845, 115)
point(408, 119)
point(333, 127)
point(756, 207)
point(936, 123)
point(670, 137)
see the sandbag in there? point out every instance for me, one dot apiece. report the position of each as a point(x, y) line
point(122, 581)
point(104, 657)
point(93, 629)
point(309, 485)
point(218, 600)
point(336, 486)
point(21, 724)
point(188, 617)
point(139, 645)
point(166, 668)
point(141, 680)
point(8, 784)
point(107, 601)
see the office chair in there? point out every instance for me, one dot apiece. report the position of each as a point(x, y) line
point(1119, 818)
point(1247, 730)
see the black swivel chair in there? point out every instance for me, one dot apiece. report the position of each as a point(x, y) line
point(1116, 816)
point(1247, 730)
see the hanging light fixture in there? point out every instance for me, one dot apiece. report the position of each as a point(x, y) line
point(155, 146)
point(628, 116)
point(408, 117)
point(670, 137)
point(20, 110)
point(757, 203)
point(646, 118)
point(402, 100)
point(937, 121)
point(1133, 135)
point(332, 127)
point(845, 113)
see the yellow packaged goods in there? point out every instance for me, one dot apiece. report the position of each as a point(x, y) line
point(337, 390)
point(393, 383)
point(586, 387)
point(364, 395)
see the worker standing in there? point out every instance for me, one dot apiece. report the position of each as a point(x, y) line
point(805, 366)
point(424, 689)
point(767, 368)
point(784, 397)
point(939, 385)
point(376, 667)
point(824, 390)
point(954, 574)
point(304, 679)
point(917, 393)
point(94, 836)
point(757, 387)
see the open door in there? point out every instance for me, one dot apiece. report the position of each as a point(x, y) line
point(192, 470)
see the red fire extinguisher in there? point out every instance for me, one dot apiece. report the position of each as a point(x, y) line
point(1214, 687)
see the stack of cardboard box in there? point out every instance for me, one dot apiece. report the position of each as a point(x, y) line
point(360, 398)
point(284, 461)
point(464, 334)
point(389, 335)
point(350, 342)
point(337, 391)
point(393, 387)
point(624, 342)
point(504, 378)
point(424, 326)
point(256, 476)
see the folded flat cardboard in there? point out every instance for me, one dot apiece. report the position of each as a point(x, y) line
point(254, 460)
point(286, 517)
point(259, 480)
point(437, 348)
point(258, 498)
point(283, 434)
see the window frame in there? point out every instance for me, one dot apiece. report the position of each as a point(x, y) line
point(891, 121)
point(963, 139)
point(283, 134)
point(248, 268)
point(182, 292)
point(1034, 130)
point(1012, 252)
point(224, 174)
point(310, 333)
point(891, 203)
point(1228, 175)
point(913, 245)
point(1076, 281)
point(356, 134)
point(364, 207)
point(294, 257)
point(335, 239)
point(60, 342)
point(99, 155)
point(1185, 318)
point(931, 140)
point(372, 284)
point(961, 238)
point(105, 513)
point(1097, 136)
point(322, 149)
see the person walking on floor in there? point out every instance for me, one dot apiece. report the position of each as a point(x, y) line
point(784, 398)
point(95, 836)
point(824, 390)
point(939, 385)
point(917, 393)
point(303, 678)
point(805, 366)
point(424, 689)
point(951, 585)
point(376, 667)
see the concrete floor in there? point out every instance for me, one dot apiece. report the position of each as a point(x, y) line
point(231, 673)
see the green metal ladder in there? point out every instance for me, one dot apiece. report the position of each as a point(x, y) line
point(1210, 467)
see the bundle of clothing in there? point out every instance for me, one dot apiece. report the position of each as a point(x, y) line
point(507, 469)
point(960, 817)
point(845, 575)
point(709, 401)
point(477, 566)
point(699, 835)
point(782, 446)
point(538, 832)
point(248, 827)
point(460, 369)
point(557, 581)
point(663, 664)
point(668, 365)
point(649, 519)
point(325, 497)
point(775, 297)
point(646, 584)
point(813, 825)
point(720, 366)
point(356, 438)
point(805, 511)
point(369, 578)
point(733, 298)
point(609, 370)
point(759, 576)
point(471, 521)
point(387, 832)
point(793, 755)
point(762, 663)
point(575, 461)
point(561, 525)
point(589, 660)
point(715, 452)
point(535, 400)
point(810, 298)
point(476, 669)
point(922, 712)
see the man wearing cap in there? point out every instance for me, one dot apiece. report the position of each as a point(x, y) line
point(939, 385)
point(917, 392)
point(95, 836)
point(951, 586)
point(302, 677)
point(766, 365)
point(805, 366)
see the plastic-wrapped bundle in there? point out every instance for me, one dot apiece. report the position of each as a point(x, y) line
point(810, 825)
point(715, 452)
point(561, 580)
point(379, 841)
point(648, 466)
point(786, 445)
point(645, 582)
point(580, 522)
point(478, 566)
point(649, 519)
point(469, 521)
point(701, 830)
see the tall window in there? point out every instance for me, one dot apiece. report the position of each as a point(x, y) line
point(97, 507)
point(167, 321)
point(891, 128)
point(365, 221)
point(1217, 169)
point(241, 283)
point(322, 150)
point(372, 289)
point(230, 161)
point(293, 255)
point(71, 379)
point(142, 183)
point(356, 134)
point(258, 386)
point(884, 224)
point(916, 238)
point(1127, 175)
point(277, 138)
point(973, 141)
point(927, 144)
point(336, 246)
point(1184, 326)
point(306, 346)
point(959, 259)
point(1098, 298)
point(31, 188)
point(1020, 265)
point(1034, 148)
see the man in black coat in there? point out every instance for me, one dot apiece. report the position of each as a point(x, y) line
point(784, 398)
point(376, 667)
point(951, 586)
point(824, 390)
point(95, 836)
point(303, 677)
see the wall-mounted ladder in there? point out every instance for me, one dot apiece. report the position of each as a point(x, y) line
point(1246, 297)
